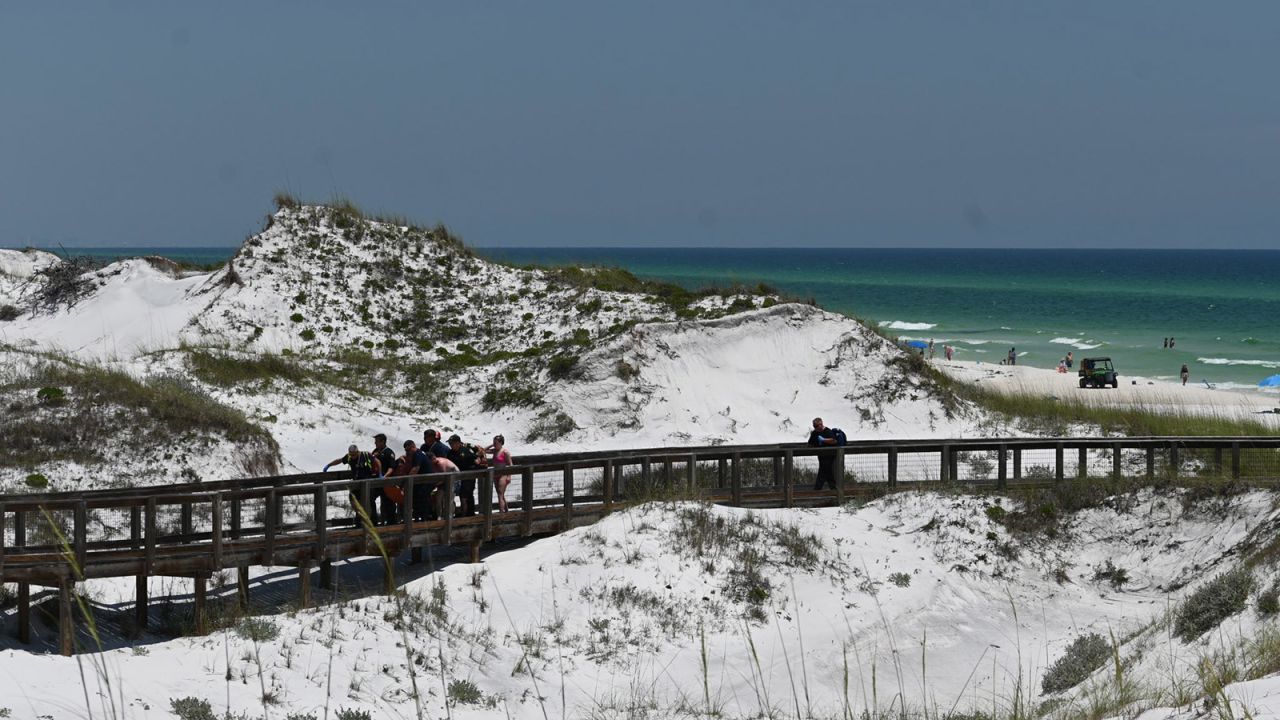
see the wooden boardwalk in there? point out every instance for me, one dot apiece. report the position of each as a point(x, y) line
point(306, 521)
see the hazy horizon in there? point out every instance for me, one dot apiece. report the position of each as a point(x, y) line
point(719, 124)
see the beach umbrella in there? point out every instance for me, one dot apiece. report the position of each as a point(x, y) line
point(922, 345)
point(1273, 381)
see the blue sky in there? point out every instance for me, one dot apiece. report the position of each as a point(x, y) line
point(958, 124)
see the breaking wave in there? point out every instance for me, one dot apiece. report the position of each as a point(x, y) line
point(1077, 343)
point(903, 325)
point(1231, 361)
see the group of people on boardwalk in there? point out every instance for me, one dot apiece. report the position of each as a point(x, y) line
point(434, 456)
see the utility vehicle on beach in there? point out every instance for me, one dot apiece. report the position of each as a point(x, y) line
point(1098, 372)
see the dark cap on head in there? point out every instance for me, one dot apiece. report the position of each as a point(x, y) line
point(430, 434)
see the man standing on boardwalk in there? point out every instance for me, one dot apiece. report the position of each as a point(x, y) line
point(823, 436)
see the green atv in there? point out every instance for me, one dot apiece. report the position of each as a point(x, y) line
point(1098, 372)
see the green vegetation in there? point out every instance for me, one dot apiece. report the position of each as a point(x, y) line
point(92, 398)
point(192, 708)
point(1213, 602)
point(226, 369)
point(257, 629)
point(8, 312)
point(1084, 655)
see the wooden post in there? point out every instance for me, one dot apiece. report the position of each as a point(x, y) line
point(1217, 460)
point(953, 461)
point(66, 624)
point(217, 531)
point(735, 492)
point(1117, 455)
point(135, 526)
point(777, 472)
point(568, 494)
point(788, 479)
point(1173, 460)
point(666, 474)
point(200, 609)
point(944, 457)
point(149, 534)
point(1002, 474)
point(1235, 460)
point(486, 503)
point(366, 502)
point(304, 584)
point(270, 529)
point(691, 473)
point(838, 468)
point(475, 551)
point(406, 533)
point(186, 519)
point(1058, 462)
point(607, 478)
point(893, 466)
point(722, 473)
point(242, 587)
point(1017, 464)
point(326, 574)
point(526, 500)
point(2, 539)
point(320, 512)
point(646, 473)
point(24, 612)
point(1082, 463)
point(1151, 463)
point(140, 600)
point(80, 532)
point(235, 517)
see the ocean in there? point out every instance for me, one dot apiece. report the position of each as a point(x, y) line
point(1221, 307)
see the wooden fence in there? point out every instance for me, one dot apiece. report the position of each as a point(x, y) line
point(308, 521)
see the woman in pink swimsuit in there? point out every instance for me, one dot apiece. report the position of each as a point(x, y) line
point(501, 458)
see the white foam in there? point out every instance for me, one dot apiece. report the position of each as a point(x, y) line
point(903, 325)
point(1077, 343)
point(1231, 361)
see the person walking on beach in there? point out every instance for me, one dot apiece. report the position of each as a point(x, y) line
point(1184, 373)
point(949, 351)
point(930, 348)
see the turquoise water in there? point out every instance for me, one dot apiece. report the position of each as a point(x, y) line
point(1222, 307)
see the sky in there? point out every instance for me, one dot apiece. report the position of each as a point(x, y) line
point(674, 124)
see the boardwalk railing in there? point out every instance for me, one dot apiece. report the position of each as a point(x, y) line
point(308, 521)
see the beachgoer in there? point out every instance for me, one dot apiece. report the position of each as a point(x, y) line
point(442, 465)
point(1069, 360)
point(1062, 365)
point(501, 458)
point(363, 467)
point(1013, 357)
point(950, 351)
point(466, 457)
point(1171, 343)
point(930, 348)
point(1166, 343)
point(377, 498)
point(1184, 373)
point(823, 436)
point(431, 443)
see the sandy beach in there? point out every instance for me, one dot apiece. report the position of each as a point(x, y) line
point(1134, 391)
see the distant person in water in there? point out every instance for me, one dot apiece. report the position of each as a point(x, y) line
point(949, 352)
point(1185, 373)
point(1171, 343)
point(1068, 358)
point(1166, 343)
